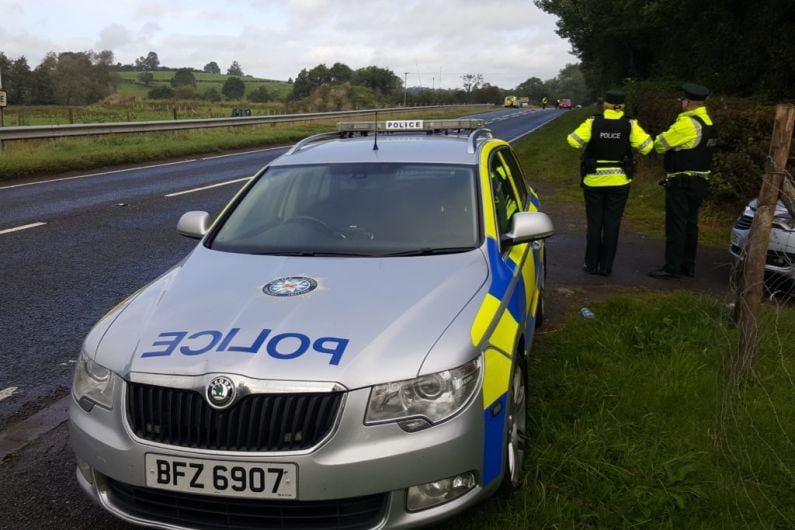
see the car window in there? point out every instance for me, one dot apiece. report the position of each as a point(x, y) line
point(506, 201)
point(358, 209)
point(515, 174)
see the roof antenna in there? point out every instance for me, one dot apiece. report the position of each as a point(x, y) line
point(375, 142)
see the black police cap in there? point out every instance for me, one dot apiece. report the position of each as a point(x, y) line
point(695, 92)
point(615, 97)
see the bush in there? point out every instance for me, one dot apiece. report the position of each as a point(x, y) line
point(184, 92)
point(260, 95)
point(162, 92)
point(211, 94)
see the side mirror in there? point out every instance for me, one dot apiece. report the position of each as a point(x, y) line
point(528, 226)
point(194, 224)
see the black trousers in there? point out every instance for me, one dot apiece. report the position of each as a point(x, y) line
point(604, 208)
point(683, 198)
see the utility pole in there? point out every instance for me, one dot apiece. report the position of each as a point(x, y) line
point(3, 102)
point(405, 86)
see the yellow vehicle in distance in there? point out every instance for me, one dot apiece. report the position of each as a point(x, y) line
point(510, 101)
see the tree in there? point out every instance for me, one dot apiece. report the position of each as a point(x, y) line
point(212, 68)
point(382, 80)
point(146, 78)
point(488, 94)
point(235, 69)
point(150, 62)
point(471, 82)
point(43, 81)
point(18, 82)
point(340, 73)
point(183, 77)
point(666, 39)
point(570, 83)
point(79, 81)
point(233, 88)
point(309, 80)
point(533, 88)
point(259, 95)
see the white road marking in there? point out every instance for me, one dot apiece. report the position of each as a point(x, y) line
point(207, 187)
point(23, 227)
point(8, 392)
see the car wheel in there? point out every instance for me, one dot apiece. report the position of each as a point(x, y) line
point(516, 435)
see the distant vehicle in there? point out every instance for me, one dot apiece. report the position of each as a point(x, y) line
point(523, 102)
point(510, 101)
point(565, 103)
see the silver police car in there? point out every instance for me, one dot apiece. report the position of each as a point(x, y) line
point(344, 348)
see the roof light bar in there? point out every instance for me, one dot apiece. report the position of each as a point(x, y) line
point(408, 125)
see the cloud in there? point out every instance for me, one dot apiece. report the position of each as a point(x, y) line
point(435, 41)
point(113, 37)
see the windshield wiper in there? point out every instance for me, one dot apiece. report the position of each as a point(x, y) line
point(428, 251)
point(314, 253)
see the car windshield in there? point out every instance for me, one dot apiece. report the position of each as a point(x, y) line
point(355, 209)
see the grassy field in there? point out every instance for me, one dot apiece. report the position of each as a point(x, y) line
point(637, 423)
point(131, 86)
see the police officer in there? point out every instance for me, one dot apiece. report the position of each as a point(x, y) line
point(544, 102)
point(688, 146)
point(606, 169)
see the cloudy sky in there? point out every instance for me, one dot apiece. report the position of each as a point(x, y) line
point(435, 41)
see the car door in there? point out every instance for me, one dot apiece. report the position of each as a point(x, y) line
point(505, 313)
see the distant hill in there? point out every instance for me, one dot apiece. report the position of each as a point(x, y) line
point(132, 86)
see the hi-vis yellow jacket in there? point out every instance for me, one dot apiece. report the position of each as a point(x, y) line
point(685, 133)
point(610, 176)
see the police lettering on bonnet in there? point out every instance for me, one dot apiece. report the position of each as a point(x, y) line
point(606, 169)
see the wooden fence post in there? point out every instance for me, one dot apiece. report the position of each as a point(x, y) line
point(749, 295)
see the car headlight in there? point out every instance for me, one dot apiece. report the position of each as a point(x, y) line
point(426, 400)
point(93, 384)
point(787, 223)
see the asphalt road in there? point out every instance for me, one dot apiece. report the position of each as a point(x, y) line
point(102, 236)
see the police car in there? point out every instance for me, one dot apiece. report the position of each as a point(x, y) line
point(344, 348)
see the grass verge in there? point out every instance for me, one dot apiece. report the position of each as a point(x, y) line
point(45, 157)
point(637, 422)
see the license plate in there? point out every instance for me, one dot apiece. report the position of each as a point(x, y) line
point(219, 477)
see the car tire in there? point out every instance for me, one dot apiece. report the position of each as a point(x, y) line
point(516, 429)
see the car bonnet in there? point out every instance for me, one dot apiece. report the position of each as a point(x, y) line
point(354, 321)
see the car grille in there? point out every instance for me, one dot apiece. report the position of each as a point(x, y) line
point(258, 422)
point(203, 511)
point(744, 222)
